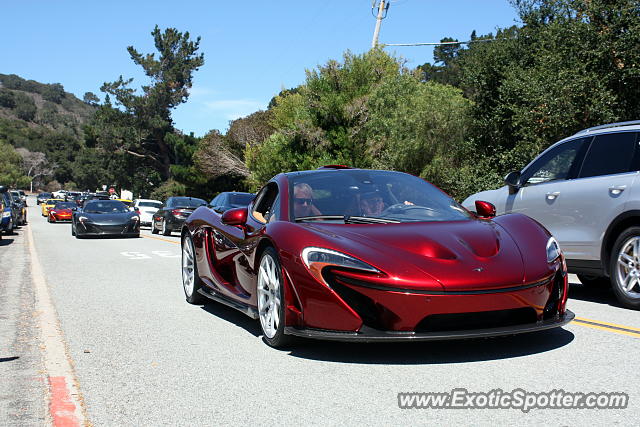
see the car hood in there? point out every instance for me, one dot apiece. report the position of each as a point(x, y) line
point(460, 255)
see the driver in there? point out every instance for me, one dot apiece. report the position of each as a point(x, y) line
point(371, 204)
point(303, 201)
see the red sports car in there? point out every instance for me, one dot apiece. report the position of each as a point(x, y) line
point(370, 255)
point(61, 212)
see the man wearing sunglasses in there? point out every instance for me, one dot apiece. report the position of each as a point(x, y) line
point(303, 201)
point(372, 204)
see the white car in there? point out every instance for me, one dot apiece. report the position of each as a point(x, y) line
point(59, 194)
point(146, 208)
point(585, 190)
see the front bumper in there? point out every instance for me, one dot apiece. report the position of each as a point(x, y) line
point(367, 334)
point(91, 229)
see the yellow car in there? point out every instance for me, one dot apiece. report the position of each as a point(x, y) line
point(46, 206)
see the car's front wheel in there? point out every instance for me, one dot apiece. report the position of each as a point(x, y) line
point(154, 230)
point(190, 279)
point(165, 230)
point(271, 299)
point(625, 268)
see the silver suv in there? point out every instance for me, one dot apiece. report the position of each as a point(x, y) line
point(585, 190)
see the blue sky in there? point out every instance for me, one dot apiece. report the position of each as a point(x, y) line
point(252, 48)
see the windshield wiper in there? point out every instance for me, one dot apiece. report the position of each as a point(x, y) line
point(319, 218)
point(368, 220)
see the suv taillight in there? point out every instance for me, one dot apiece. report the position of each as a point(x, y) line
point(180, 212)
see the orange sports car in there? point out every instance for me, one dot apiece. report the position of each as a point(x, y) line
point(61, 211)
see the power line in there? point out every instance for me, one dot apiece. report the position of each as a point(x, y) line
point(439, 43)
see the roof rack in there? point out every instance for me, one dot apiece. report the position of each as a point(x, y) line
point(610, 125)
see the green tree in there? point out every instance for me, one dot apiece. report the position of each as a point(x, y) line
point(11, 173)
point(90, 98)
point(54, 93)
point(7, 99)
point(149, 114)
point(25, 108)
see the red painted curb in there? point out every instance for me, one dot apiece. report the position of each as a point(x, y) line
point(62, 409)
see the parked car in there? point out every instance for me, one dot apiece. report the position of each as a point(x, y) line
point(173, 213)
point(20, 207)
point(8, 220)
point(229, 200)
point(62, 211)
point(23, 196)
point(146, 209)
point(43, 197)
point(585, 190)
point(105, 217)
point(365, 255)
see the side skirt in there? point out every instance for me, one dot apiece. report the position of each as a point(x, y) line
point(246, 309)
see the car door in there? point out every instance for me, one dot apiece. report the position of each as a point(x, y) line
point(598, 195)
point(543, 185)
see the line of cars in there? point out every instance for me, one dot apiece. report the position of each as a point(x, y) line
point(99, 215)
point(13, 208)
point(363, 255)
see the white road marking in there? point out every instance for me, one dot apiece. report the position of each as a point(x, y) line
point(166, 254)
point(135, 255)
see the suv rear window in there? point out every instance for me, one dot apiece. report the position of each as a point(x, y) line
point(609, 154)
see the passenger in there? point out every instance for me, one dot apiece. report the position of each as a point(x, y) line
point(303, 201)
point(371, 204)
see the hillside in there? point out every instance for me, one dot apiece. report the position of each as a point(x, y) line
point(43, 105)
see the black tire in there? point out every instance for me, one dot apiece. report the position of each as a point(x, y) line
point(165, 229)
point(10, 228)
point(279, 339)
point(73, 230)
point(624, 297)
point(594, 282)
point(154, 230)
point(195, 297)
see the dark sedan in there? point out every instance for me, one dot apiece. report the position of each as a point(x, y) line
point(230, 200)
point(43, 197)
point(105, 217)
point(173, 213)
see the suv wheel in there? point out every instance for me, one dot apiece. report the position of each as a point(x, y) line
point(625, 268)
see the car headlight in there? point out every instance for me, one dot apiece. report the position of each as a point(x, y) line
point(316, 259)
point(135, 218)
point(553, 250)
point(83, 219)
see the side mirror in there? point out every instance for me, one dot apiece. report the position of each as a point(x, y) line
point(74, 209)
point(485, 209)
point(513, 181)
point(236, 216)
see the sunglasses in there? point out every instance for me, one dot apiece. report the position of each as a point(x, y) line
point(302, 201)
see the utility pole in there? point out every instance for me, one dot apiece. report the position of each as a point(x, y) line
point(383, 8)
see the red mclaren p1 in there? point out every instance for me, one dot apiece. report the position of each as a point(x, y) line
point(369, 255)
point(61, 212)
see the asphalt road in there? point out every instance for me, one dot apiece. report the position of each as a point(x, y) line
point(143, 356)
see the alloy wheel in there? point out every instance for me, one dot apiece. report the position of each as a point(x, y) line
point(269, 296)
point(188, 271)
point(628, 267)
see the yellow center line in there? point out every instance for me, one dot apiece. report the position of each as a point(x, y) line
point(609, 327)
point(160, 238)
point(608, 324)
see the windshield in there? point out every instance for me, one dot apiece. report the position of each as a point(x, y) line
point(106, 206)
point(53, 201)
point(44, 195)
point(366, 196)
point(187, 202)
point(240, 200)
point(65, 205)
point(156, 205)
